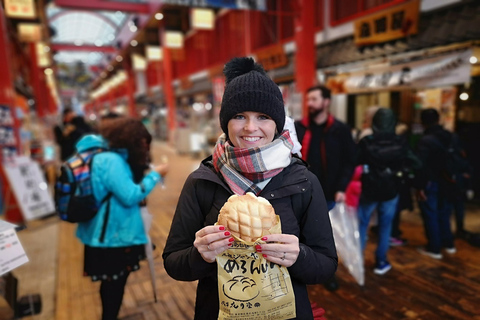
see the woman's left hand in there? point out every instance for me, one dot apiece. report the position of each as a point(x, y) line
point(282, 249)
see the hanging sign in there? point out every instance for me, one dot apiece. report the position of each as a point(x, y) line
point(394, 23)
point(202, 19)
point(28, 183)
point(272, 57)
point(232, 4)
point(20, 9)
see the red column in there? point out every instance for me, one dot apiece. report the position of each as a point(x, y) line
point(12, 212)
point(305, 60)
point(168, 89)
point(130, 84)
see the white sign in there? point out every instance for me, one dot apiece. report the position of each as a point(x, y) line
point(28, 184)
point(12, 254)
point(448, 69)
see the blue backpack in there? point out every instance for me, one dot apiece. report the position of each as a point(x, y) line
point(74, 199)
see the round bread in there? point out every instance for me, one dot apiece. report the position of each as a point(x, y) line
point(248, 217)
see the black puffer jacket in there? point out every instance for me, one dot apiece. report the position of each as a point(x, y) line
point(288, 192)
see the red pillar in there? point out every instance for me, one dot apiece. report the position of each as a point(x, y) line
point(12, 212)
point(305, 60)
point(35, 82)
point(168, 89)
point(130, 84)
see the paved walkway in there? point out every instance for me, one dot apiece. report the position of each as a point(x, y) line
point(55, 267)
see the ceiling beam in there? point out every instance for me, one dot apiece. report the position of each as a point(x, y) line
point(72, 47)
point(104, 5)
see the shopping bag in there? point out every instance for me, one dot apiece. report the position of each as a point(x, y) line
point(344, 222)
point(250, 287)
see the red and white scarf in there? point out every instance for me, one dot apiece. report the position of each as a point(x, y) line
point(242, 168)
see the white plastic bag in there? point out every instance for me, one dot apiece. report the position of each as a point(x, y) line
point(344, 221)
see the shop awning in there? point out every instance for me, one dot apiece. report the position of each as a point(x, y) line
point(453, 24)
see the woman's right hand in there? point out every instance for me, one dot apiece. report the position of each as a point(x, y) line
point(211, 241)
point(161, 169)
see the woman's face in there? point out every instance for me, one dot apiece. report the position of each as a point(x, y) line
point(251, 129)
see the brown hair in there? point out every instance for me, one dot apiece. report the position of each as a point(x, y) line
point(130, 134)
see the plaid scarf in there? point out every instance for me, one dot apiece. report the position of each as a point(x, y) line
point(242, 168)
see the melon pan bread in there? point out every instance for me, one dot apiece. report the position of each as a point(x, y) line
point(248, 217)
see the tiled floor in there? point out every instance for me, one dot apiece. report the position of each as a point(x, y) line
point(55, 265)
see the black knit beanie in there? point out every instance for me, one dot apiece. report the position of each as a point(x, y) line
point(248, 88)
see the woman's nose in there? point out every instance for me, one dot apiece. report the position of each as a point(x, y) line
point(250, 125)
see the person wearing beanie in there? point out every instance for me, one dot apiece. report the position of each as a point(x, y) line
point(252, 155)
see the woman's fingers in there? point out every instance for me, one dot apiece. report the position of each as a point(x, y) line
point(211, 241)
point(282, 249)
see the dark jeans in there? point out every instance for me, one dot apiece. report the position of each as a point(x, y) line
point(436, 211)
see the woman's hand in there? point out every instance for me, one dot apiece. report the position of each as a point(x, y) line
point(161, 169)
point(211, 241)
point(282, 249)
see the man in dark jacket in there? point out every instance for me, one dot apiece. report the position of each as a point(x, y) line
point(434, 195)
point(327, 145)
point(73, 128)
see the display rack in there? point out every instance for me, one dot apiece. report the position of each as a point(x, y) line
point(8, 140)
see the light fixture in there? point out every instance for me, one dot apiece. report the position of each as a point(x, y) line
point(110, 68)
point(78, 42)
point(119, 58)
point(159, 16)
point(173, 39)
point(464, 96)
point(473, 60)
point(154, 53)
point(98, 43)
point(133, 28)
point(134, 43)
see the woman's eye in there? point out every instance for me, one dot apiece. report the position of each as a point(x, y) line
point(238, 117)
point(264, 117)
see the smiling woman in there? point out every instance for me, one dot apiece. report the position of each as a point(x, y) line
point(253, 155)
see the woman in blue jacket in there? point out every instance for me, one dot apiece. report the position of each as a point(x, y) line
point(114, 239)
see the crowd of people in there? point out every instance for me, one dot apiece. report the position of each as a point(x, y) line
point(302, 179)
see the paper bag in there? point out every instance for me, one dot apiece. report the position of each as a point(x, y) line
point(250, 287)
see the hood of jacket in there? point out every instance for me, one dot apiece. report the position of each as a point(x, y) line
point(384, 121)
point(91, 141)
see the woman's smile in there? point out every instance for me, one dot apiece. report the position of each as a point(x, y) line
point(251, 129)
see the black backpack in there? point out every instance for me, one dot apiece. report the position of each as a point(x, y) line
point(384, 168)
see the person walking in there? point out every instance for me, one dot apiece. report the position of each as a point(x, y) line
point(437, 186)
point(383, 155)
point(114, 239)
point(252, 155)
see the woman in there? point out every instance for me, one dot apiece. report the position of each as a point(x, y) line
point(252, 112)
point(114, 239)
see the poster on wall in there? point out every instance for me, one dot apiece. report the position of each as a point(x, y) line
point(29, 186)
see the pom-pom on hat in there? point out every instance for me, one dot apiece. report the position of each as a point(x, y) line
point(248, 88)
